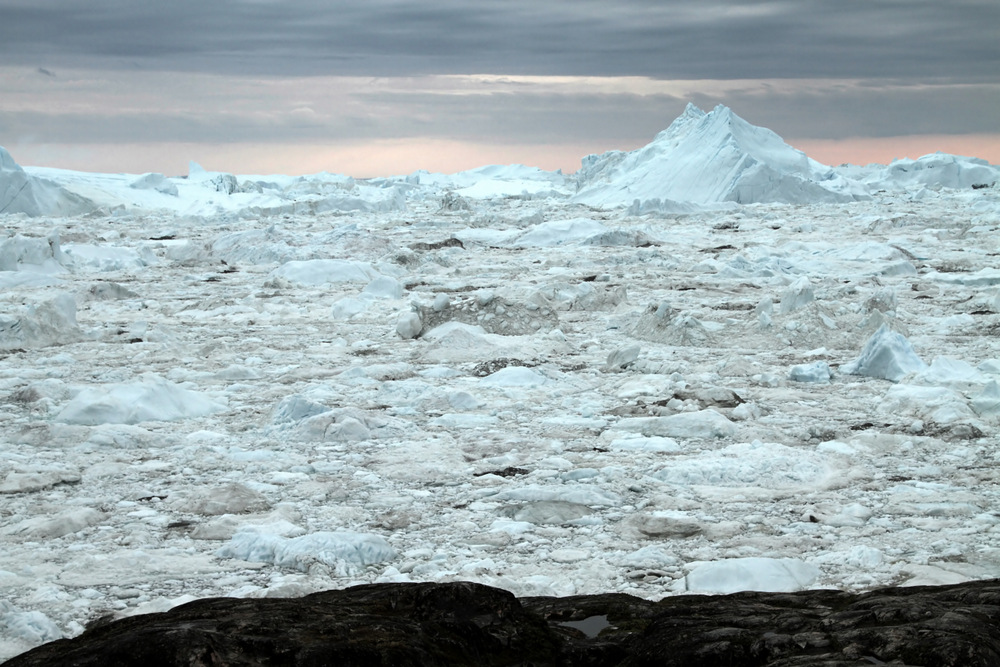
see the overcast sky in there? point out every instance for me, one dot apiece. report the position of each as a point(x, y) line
point(384, 86)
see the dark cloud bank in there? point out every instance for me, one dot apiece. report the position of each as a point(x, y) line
point(715, 39)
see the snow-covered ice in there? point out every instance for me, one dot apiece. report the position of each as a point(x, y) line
point(766, 375)
point(150, 399)
point(887, 355)
point(345, 552)
point(709, 158)
point(783, 575)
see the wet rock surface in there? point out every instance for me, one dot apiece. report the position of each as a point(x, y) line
point(472, 624)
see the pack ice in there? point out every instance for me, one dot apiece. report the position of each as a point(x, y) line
point(708, 365)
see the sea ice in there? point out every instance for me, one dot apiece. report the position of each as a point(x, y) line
point(934, 404)
point(817, 372)
point(886, 355)
point(27, 482)
point(569, 493)
point(950, 372)
point(33, 627)
point(409, 325)
point(108, 258)
point(701, 424)
point(383, 287)
point(798, 294)
point(560, 232)
point(348, 307)
point(645, 444)
point(21, 253)
point(653, 556)
point(778, 575)
point(987, 402)
point(60, 525)
point(769, 466)
point(51, 322)
point(151, 399)
point(514, 376)
point(345, 552)
point(157, 182)
point(501, 425)
point(232, 498)
point(325, 271)
point(34, 196)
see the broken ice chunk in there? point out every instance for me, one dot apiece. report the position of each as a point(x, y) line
point(887, 355)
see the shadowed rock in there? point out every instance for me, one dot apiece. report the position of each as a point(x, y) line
point(471, 624)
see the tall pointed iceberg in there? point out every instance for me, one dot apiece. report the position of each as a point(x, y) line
point(708, 158)
point(23, 193)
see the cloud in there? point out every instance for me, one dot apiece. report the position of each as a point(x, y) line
point(610, 112)
point(667, 39)
point(583, 73)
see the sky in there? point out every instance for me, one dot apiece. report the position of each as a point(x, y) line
point(386, 87)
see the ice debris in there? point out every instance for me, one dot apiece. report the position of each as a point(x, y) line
point(151, 399)
point(886, 355)
point(987, 402)
point(325, 271)
point(818, 372)
point(345, 552)
point(31, 626)
point(700, 424)
point(776, 575)
point(798, 294)
point(51, 322)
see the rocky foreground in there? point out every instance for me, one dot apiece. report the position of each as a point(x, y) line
point(472, 624)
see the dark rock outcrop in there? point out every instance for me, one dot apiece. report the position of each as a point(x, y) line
point(472, 624)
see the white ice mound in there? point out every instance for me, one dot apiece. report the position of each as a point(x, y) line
point(33, 627)
point(939, 405)
point(151, 399)
point(22, 253)
point(656, 444)
point(886, 355)
point(52, 322)
point(700, 424)
point(987, 402)
point(711, 158)
point(511, 180)
point(764, 465)
point(324, 271)
point(514, 376)
point(568, 493)
point(383, 287)
point(109, 257)
point(798, 294)
point(157, 182)
point(560, 232)
point(937, 170)
point(344, 551)
point(254, 246)
point(23, 193)
point(818, 372)
point(773, 575)
point(984, 277)
point(949, 372)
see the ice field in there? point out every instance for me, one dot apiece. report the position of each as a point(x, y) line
point(708, 365)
